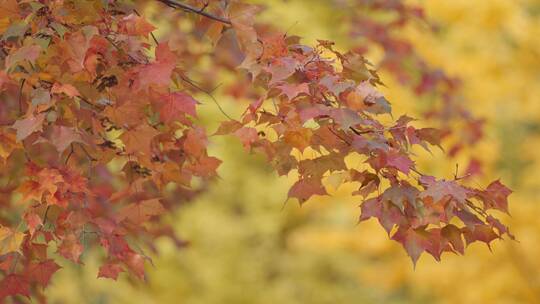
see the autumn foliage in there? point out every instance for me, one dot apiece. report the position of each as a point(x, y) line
point(101, 138)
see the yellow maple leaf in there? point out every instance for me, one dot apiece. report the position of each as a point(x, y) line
point(10, 241)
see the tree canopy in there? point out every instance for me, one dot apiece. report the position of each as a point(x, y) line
point(101, 137)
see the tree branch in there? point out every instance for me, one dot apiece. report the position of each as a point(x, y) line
point(20, 95)
point(191, 9)
point(357, 132)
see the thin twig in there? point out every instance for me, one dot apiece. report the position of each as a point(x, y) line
point(45, 216)
point(190, 82)
point(90, 158)
point(122, 50)
point(14, 265)
point(338, 136)
point(376, 131)
point(275, 106)
point(191, 9)
point(476, 208)
point(69, 155)
point(20, 95)
point(417, 172)
point(95, 106)
point(151, 34)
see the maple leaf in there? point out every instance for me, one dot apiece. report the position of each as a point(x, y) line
point(366, 97)
point(316, 111)
point(10, 240)
point(438, 190)
point(41, 272)
point(40, 97)
point(400, 162)
point(336, 179)
point(76, 45)
point(414, 241)
point(33, 221)
point(116, 245)
point(346, 118)
point(247, 136)
point(11, 9)
point(65, 88)
point(453, 235)
point(431, 135)
point(378, 106)
point(336, 86)
point(355, 68)
point(437, 243)
point(205, 166)
point(29, 52)
point(370, 208)
point(369, 183)
point(61, 137)
point(71, 248)
point(228, 127)
point(129, 113)
point(399, 130)
point(7, 262)
point(483, 233)
point(317, 167)
point(142, 211)
point(275, 45)
point(499, 226)
point(176, 105)
point(110, 270)
point(39, 251)
point(135, 26)
point(303, 189)
point(293, 90)
point(496, 196)
point(468, 218)
point(282, 69)
point(400, 195)
point(135, 262)
point(48, 182)
point(14, 284)
point(8, 144)
point(137, 141)
point(391, 216)
point(242, 17)
point(299, 138)
point(159, 72)
point(195, 142)
point(28, 125)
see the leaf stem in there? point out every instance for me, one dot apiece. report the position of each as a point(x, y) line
point(151, 33)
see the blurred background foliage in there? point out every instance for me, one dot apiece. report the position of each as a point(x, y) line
point(246, 245)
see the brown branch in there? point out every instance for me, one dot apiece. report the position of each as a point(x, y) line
point(69, 155)
point(90, 158)
point(92, 105)
point(476, 208)
point(20, 95)
point(338, 136)
point(357, 132)
point(135, 61)
point(208, 93)
point(191, 9)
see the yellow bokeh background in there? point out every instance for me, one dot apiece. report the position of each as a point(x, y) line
point(247, 246)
